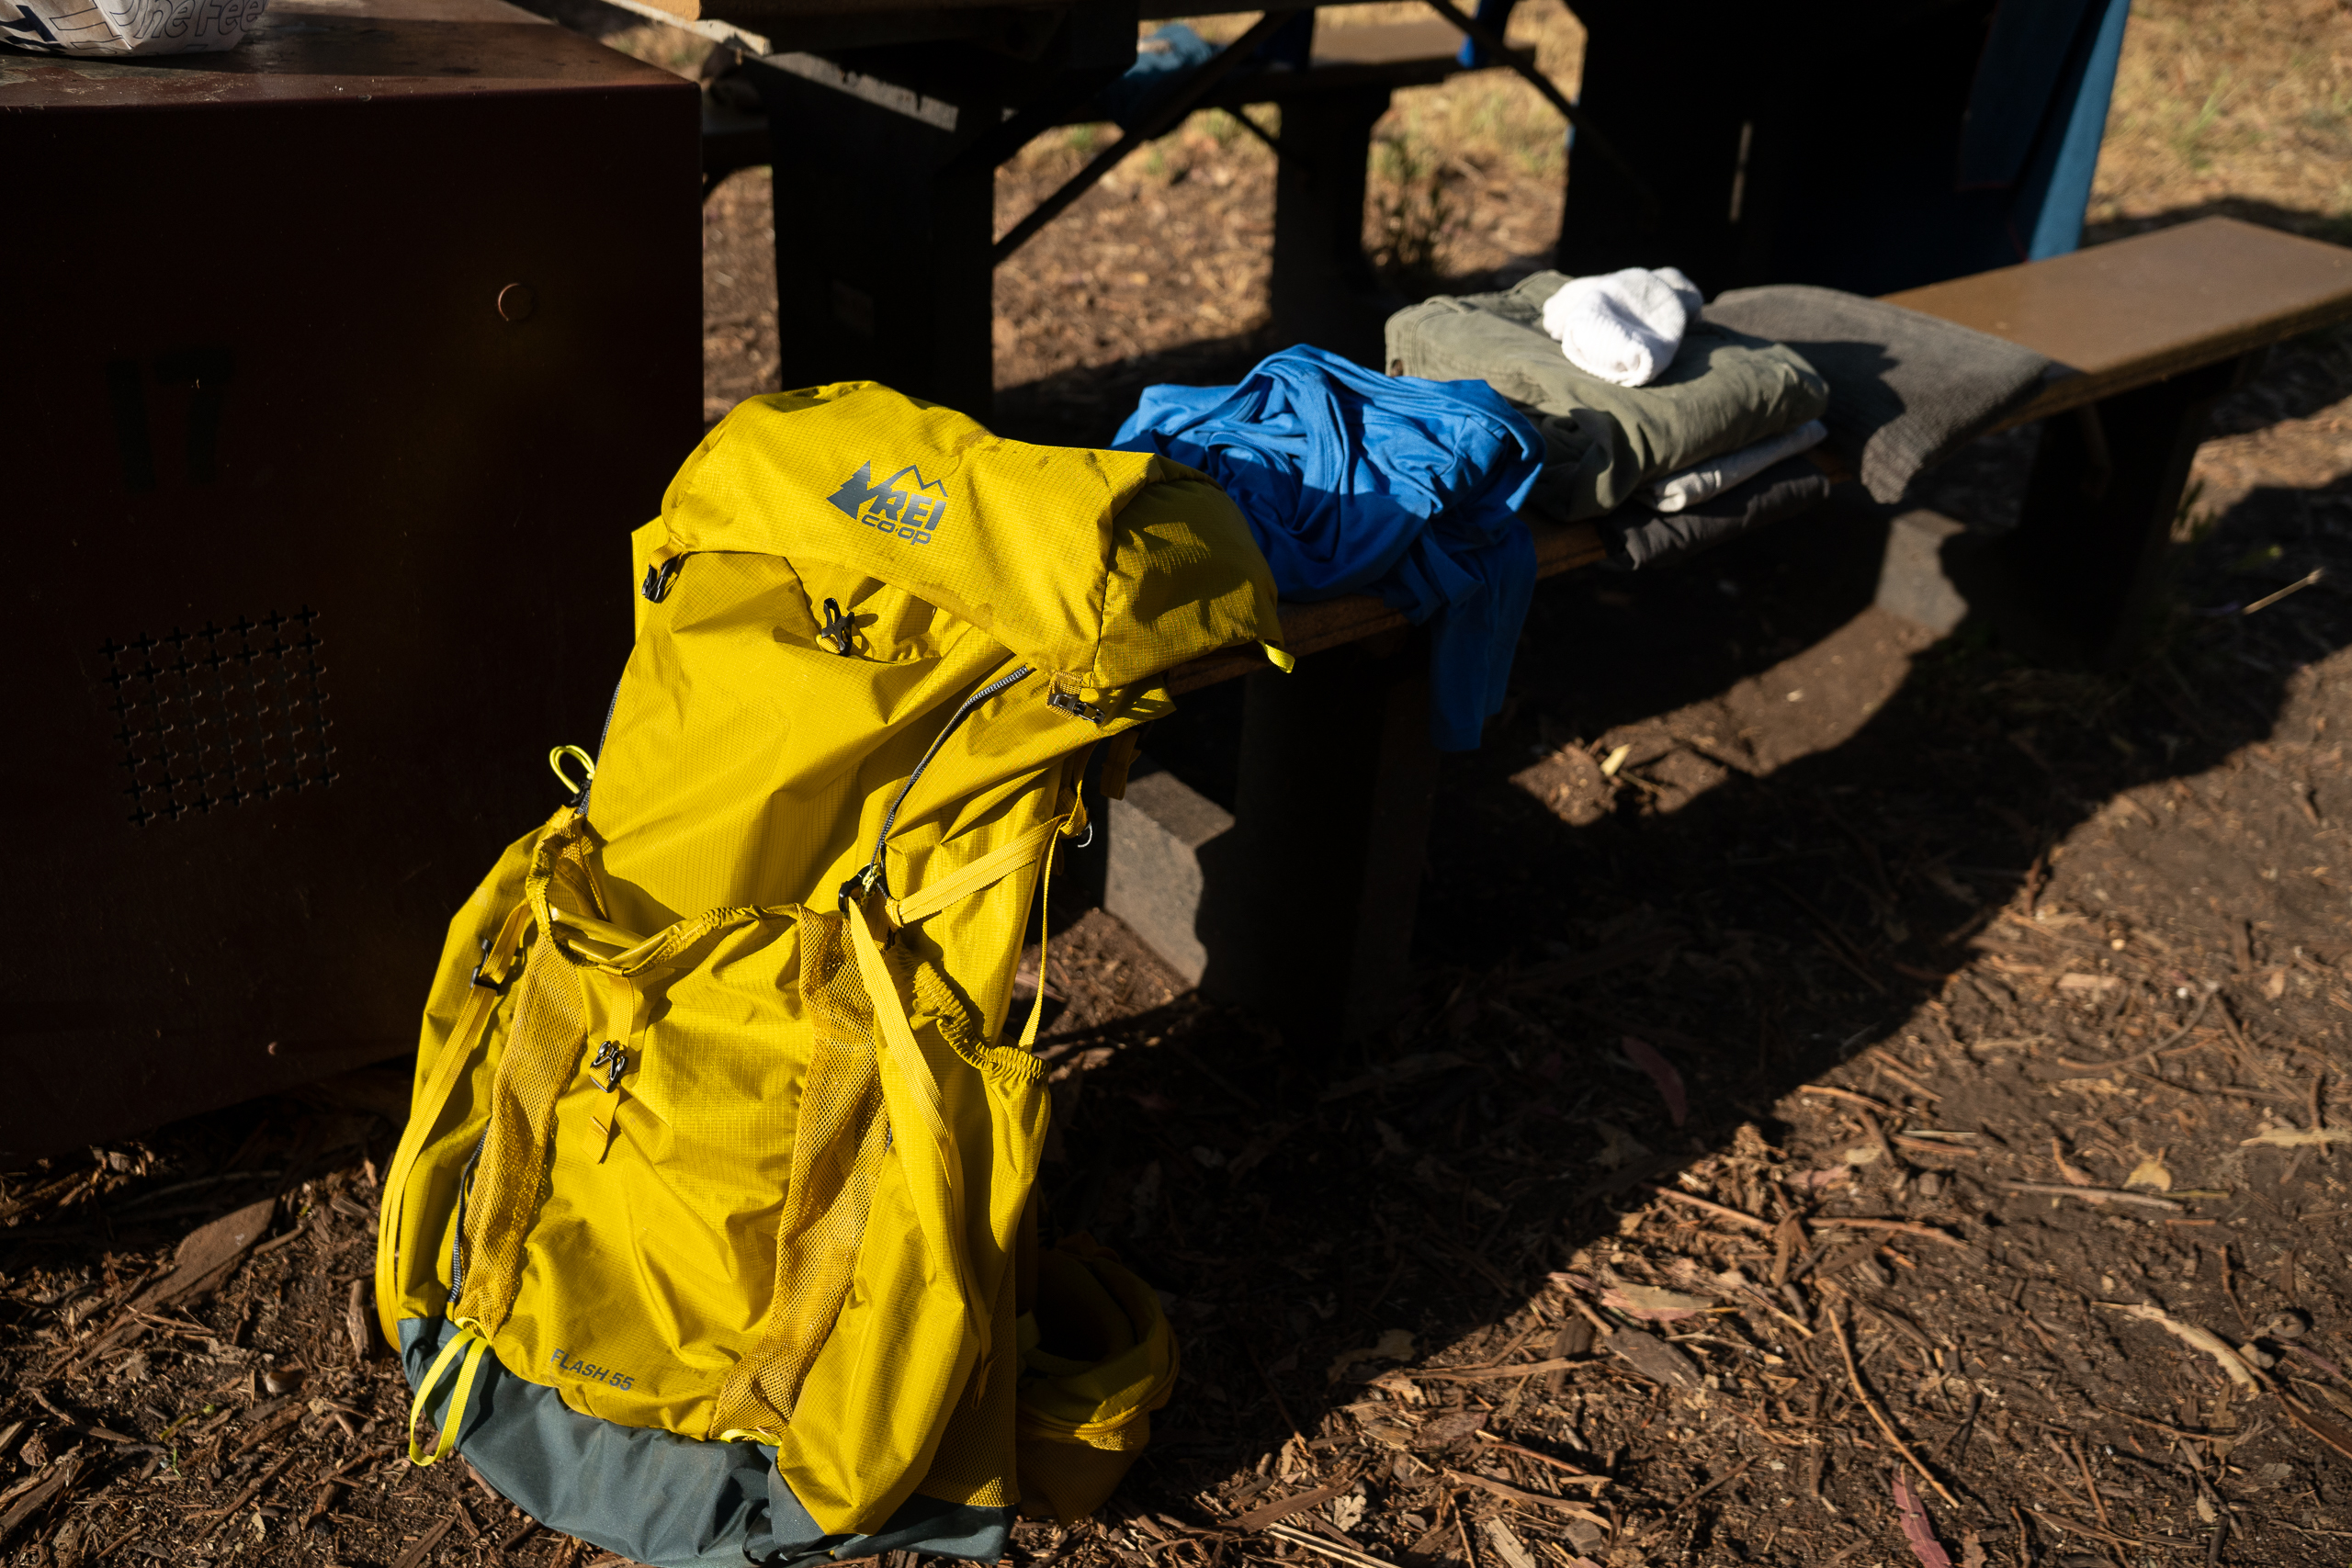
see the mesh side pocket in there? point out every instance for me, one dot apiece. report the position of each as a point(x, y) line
point(543, 1048)
point(842, 1136)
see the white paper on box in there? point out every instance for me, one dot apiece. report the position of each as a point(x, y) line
point(127, 26)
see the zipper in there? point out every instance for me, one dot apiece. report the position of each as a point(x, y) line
point(601, 735)
point(458, 1237)
point(872, 876)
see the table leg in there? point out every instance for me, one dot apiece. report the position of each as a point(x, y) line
point(1324, 290)
point(2084, 570)
point(1308, 902)
point(881, 239)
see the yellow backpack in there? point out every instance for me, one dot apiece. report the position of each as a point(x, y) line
point(711, 1233)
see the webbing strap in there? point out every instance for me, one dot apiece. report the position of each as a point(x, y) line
point(497, 966)
point(986, 871)
point(468, 1340)
point(918, 1121)
point(1045, 932)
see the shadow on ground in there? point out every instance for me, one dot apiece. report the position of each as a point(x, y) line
point(2033, 925)
point(1970, 868)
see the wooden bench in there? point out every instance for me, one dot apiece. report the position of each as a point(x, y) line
point(2146, 334)
point(1306, 902)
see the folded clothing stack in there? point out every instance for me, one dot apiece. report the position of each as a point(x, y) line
point(1720, 393)
point(1908, 389)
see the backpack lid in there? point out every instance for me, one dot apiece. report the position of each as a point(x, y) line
point(1101, 568)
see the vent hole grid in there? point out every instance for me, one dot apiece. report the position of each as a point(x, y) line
point(220, 716)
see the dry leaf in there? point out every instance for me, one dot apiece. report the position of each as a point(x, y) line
point(1265, 1514)
point(1649, 1302)
point(1643, 1055)
point(1916, 1528)
point(2151, 1173)
point(1655, 1358)
point(205, 1256)
point(1861, 1154)
point(1972, 1548)
point(2297, 1137)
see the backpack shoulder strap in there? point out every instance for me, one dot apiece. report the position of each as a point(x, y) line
point(497, 966)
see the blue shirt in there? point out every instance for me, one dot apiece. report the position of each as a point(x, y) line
point(1357, 482)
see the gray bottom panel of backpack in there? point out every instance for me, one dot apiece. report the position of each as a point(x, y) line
point(658, 1498)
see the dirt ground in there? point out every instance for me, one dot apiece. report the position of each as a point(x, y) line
point(1858, 1125)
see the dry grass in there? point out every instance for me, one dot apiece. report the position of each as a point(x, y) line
point(1464, 177)
point(2238, 106)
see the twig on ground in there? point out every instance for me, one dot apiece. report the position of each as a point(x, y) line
point(1584, 1477)
point(1491, 1374)
point(1723, 1480)
point(1322, 1548)
point(421, 1549)
point(1263, 1377)
point(2076, 1527)
point(1854, 1376)
point(1531, 1499)
point(1907, 1227)
point(2090, 1484)
point(2100, 1195)
point(253, 1488)
point(2199, 1339)
point(1258, 1518)
point(1721, 1212)
point(1864, 1100)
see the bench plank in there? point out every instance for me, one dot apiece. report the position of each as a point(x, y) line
point(2138, 310)
point(1311, 628)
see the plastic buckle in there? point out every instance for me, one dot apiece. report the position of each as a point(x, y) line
point(497, 988)
point(838, 629)
point(658, 578)
point(854, 890)
point(614, 1060)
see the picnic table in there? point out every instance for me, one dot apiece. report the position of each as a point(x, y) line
point(885, 272)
